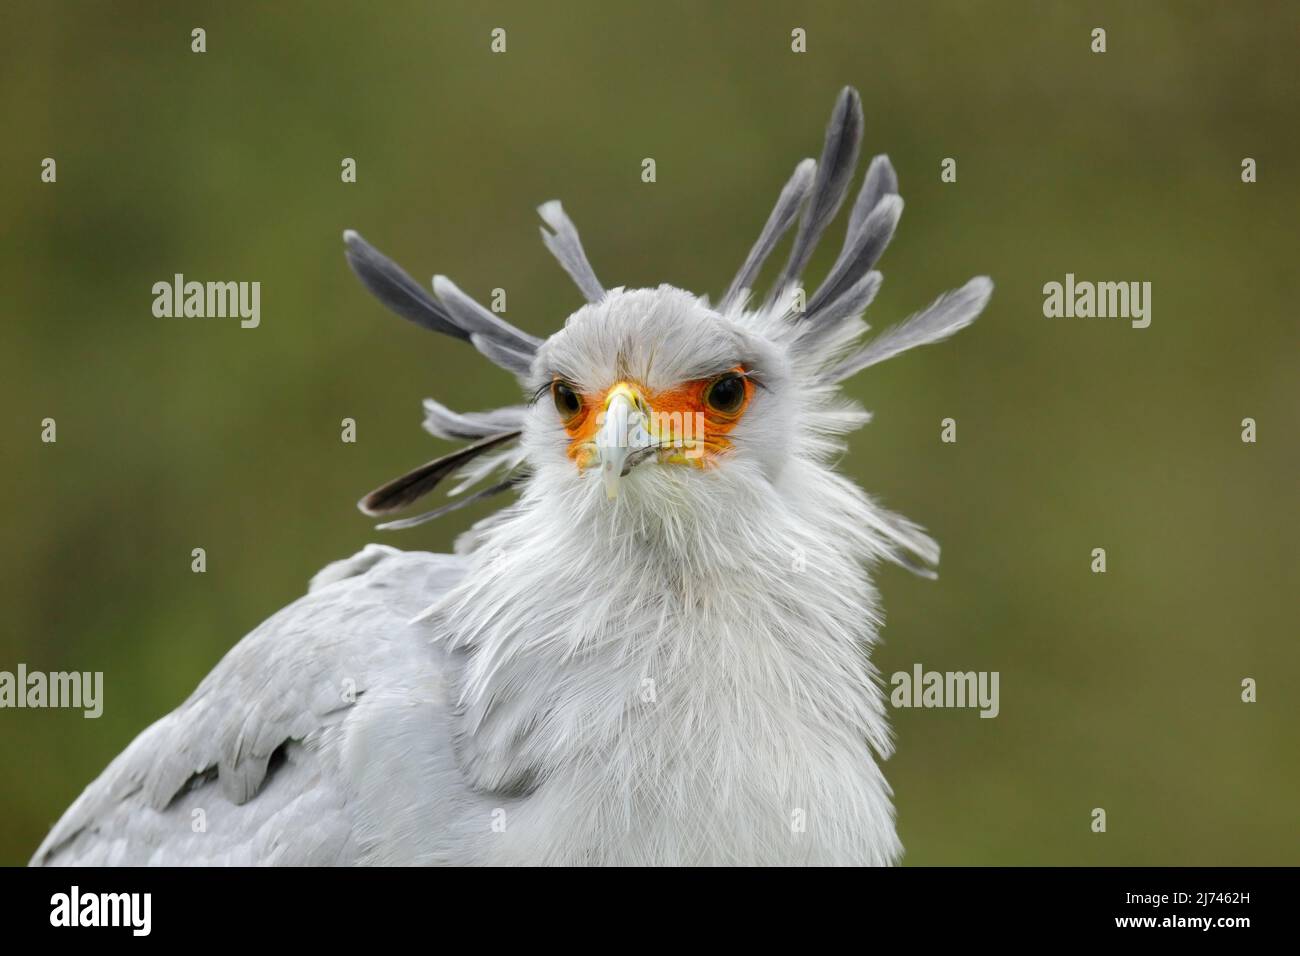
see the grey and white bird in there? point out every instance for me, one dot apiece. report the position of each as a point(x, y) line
point(658, 653)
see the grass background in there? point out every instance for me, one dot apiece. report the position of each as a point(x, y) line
point(1118, 691)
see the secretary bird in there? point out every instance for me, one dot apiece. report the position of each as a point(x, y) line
point(656, 654)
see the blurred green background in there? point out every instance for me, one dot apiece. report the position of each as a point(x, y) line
point(1118, 691)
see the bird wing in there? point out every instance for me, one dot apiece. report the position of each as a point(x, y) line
point(288, 748)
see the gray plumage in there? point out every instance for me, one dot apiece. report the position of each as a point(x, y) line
point(257, 753)
point(414, 485)
point(458, 315)
point(948, 314)
point(880, 181)
point(473, 318)
point(402, 524)
point(441, 422)
point(862, 250)
point(852, 302)
point(505, 356)
point(397, 290)
point(593, 677)
point(788, 203)
point(567, 248)
point(834, 171)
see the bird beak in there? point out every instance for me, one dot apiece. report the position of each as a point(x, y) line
point(624, 430)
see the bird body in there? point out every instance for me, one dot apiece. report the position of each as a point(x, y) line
point(658, 654)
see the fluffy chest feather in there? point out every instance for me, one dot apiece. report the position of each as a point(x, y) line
point(651, 688)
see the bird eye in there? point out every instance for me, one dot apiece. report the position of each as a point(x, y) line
point(727, 394)
point(567, 402)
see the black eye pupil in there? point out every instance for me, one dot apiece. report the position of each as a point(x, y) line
point(727, 393)
point(567, 402)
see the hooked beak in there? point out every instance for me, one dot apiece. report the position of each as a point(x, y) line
point(623, 432)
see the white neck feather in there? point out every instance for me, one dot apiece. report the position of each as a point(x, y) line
point(680, 685)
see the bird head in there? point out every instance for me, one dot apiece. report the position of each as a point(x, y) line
point(648, 397)
point(651, 388)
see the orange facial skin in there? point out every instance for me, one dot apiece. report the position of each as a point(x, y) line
point(681, 419)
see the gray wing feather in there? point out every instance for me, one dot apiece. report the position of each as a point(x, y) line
point(406, 489)
point(260, 746)
point(834, 170)
point(852, 302)
point(441, 422)
point(783, 215)
point(567, 248)
point(862, 250)
point(448, 508)
point(465, 319)
point(880, 181)
point(512, 360)
point(391, 285)
point(475, 319)
point(949, 313)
